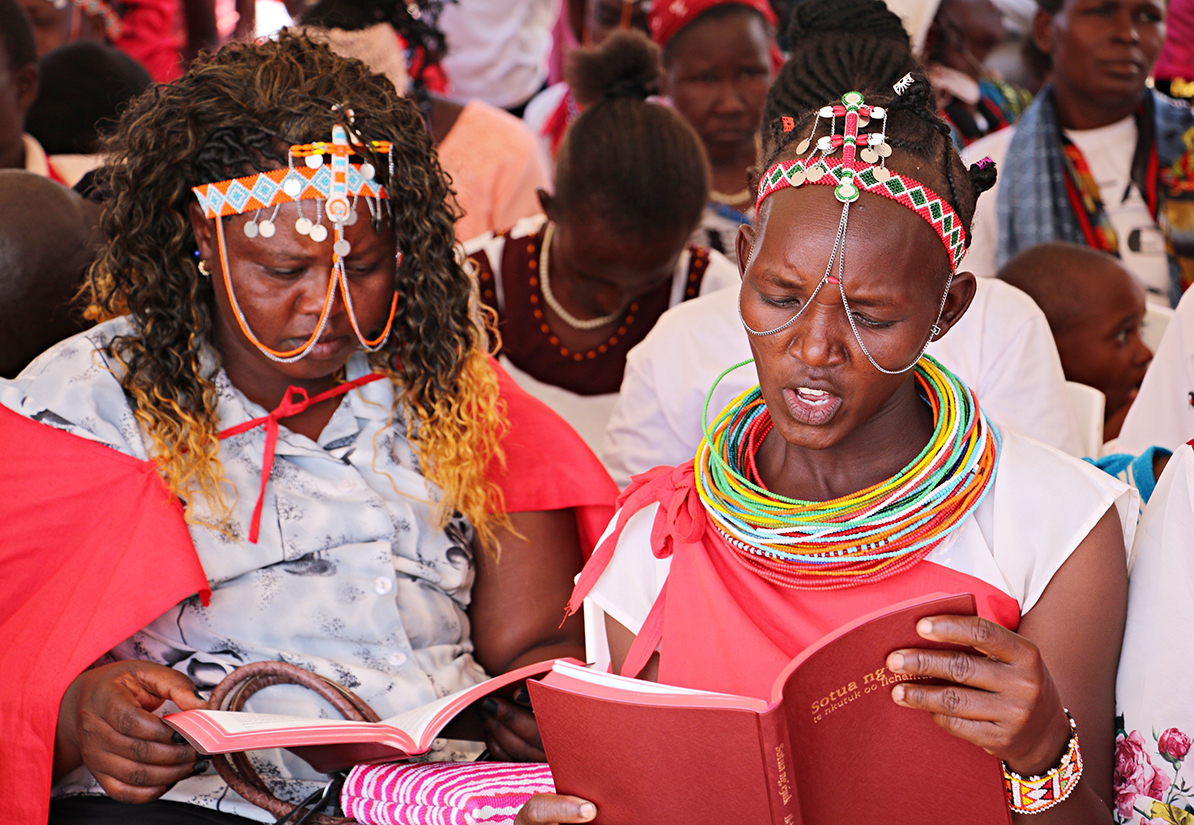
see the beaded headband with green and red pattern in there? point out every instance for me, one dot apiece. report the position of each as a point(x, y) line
point(851, 177)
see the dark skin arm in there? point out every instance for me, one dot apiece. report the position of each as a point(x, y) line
point(518, 601)
point(1065, 654)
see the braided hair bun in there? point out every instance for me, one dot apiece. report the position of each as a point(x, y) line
point(627, 64)
point(634, 165)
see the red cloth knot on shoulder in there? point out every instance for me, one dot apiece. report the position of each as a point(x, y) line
point(681, 518)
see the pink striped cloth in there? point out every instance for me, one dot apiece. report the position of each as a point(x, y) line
point(442, 793)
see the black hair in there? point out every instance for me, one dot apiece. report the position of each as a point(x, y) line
point(416, 22)
point(84, 86)
point(635, 165)
point(853, 47)
point(16, 34)
point(723, 11)
point(834, 42)
point(1050, 6)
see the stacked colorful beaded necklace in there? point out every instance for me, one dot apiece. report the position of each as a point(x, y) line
point(863, 537)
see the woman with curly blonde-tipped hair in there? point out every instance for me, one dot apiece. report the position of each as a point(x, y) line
point(286, 332)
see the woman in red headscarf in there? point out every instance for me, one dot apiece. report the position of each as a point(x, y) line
point(719, 58)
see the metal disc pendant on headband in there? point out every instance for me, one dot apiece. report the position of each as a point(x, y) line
point(318, 233)
point(342, 248)
point(303, 226)
point(869, 155)
point(266, 228)
point(293, 187)
point(251, 229)
point(367, 171)
point(802, 146)
point(314, 161)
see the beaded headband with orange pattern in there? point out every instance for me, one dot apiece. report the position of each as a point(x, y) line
point(337, 188)
point(850, 178)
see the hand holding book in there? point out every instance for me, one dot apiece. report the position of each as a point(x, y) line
point(1000, 697)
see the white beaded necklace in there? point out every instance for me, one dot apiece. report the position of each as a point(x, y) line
point(565, 316)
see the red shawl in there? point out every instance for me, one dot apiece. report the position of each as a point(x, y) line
point(77, 518)
point(724, 628)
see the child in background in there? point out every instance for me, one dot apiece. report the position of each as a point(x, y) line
point(1095, 307)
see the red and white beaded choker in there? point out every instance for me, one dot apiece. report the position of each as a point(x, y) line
point(861, 168)
point(337, 189)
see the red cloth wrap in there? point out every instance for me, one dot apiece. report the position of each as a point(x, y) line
point(78, 520)
point(666, 18)
point(549, 466)
point(724, 628)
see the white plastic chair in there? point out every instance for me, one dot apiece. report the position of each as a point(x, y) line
point(1088, 405)
point(1156, 320)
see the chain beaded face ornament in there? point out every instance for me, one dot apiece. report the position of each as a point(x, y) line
point(336, 188)
point(856, 172)
point(887, 528)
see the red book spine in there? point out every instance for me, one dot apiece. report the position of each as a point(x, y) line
point(777, 762)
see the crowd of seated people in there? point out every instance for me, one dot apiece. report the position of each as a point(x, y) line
point(443, 321)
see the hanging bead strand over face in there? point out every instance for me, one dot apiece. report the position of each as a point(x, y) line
point(330, 186)
point(851, 175)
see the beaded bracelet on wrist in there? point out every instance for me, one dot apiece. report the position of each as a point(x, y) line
point(1034, 794)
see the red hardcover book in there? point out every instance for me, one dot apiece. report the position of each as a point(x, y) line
point(829, 747)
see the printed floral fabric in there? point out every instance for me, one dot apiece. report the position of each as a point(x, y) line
point(1149, 785)
point(1154, 780)
point(350, 578)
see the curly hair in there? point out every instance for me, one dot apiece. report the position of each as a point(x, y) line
point(236, 113)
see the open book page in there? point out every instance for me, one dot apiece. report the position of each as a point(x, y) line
point(412, 732)
point(425, 722)
point(218, 731)
point(612, 686)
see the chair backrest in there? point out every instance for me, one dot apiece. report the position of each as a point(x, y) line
point(1156, 320)
point(1088, 405)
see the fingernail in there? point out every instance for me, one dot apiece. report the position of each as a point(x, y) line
point(200, 767)
point(486, 708)
point(924, 627)
point(895, 662)
point(588, 810)
point(897, 693)
point(178, 738)
point(523, 696)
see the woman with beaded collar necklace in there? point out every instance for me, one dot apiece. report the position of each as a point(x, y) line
point(860, 474)
point(576, 288)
